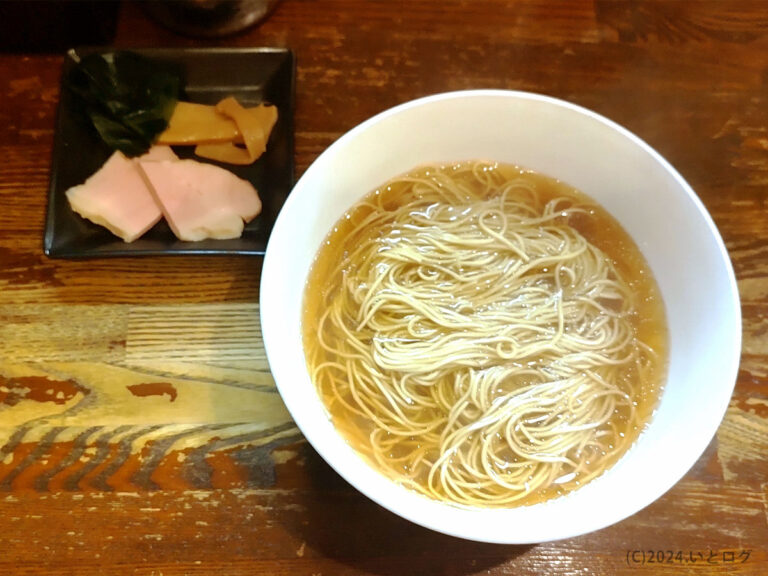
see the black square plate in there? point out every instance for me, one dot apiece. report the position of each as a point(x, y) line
point(252, 75)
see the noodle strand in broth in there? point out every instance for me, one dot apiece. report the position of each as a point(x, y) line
point(471, 343)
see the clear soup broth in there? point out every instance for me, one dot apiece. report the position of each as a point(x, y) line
point(484, 335)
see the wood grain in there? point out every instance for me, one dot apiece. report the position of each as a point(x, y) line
point(140, 429)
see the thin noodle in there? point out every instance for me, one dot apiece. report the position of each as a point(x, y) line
point(491, 346)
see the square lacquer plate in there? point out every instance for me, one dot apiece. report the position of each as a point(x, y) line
point(253, 76)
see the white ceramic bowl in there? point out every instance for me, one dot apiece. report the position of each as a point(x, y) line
point(650, 199)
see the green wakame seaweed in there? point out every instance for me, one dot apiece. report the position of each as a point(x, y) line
point(127, 97)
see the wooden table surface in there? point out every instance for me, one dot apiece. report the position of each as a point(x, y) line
point(141, 432)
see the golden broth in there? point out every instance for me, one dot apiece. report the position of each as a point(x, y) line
point(404, 459)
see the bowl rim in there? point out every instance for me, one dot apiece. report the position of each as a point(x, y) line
point(405, 506)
